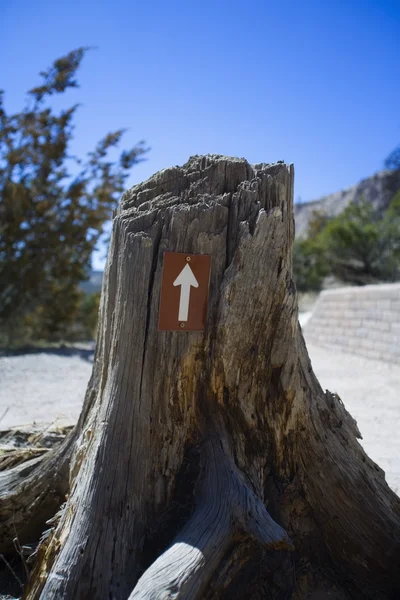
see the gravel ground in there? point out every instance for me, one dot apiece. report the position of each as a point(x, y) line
point(45, 386)
point(49, 386)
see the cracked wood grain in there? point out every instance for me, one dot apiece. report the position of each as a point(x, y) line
point(141, 519)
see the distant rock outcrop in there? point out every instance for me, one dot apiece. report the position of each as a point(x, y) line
point(375, 189)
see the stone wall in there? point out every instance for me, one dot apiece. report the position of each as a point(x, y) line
point(360, 320)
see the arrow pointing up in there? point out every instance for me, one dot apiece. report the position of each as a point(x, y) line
point(186, 280)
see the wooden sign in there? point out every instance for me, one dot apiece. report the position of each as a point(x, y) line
point(184, 292)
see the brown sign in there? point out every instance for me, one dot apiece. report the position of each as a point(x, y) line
point(184, 292)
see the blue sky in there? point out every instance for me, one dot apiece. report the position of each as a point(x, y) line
point(310, 82)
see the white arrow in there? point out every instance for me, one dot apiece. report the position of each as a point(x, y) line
point(186, 280)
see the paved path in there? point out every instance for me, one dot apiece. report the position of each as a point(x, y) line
point(49, 386)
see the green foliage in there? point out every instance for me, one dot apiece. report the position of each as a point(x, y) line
point(393, 211)
point(310, 265)
point(51, 217)
point(359, 246)
point(362, 246)
point(392, 163)
point(392, 179)
point(88, 314)
point(37, 326)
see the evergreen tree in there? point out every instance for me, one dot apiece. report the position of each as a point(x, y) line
point(50, 219)
point(310, 265)
point(363, 246)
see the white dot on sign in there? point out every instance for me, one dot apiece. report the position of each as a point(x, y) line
point(188, 259)
point(181, 324)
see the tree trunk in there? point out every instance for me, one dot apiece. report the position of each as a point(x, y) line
point(211, 464)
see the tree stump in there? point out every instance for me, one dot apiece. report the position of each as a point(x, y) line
point(211, 464)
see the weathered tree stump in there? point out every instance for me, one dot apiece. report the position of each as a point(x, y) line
point(211, 464)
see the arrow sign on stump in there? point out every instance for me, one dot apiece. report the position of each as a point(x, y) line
point(184, 292)
point(186, 280)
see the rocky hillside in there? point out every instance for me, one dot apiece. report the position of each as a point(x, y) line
point(374, 189)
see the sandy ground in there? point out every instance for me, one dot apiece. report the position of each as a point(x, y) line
point(49, 386)
point(44, 387)
point(370, 391)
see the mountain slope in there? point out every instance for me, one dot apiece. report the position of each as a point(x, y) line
point(374, 189)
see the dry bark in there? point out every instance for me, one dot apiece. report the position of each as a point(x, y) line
point(203, 459)
point(32, 491)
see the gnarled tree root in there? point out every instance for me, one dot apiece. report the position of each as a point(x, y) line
point(225, 506)
point(31, 493)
